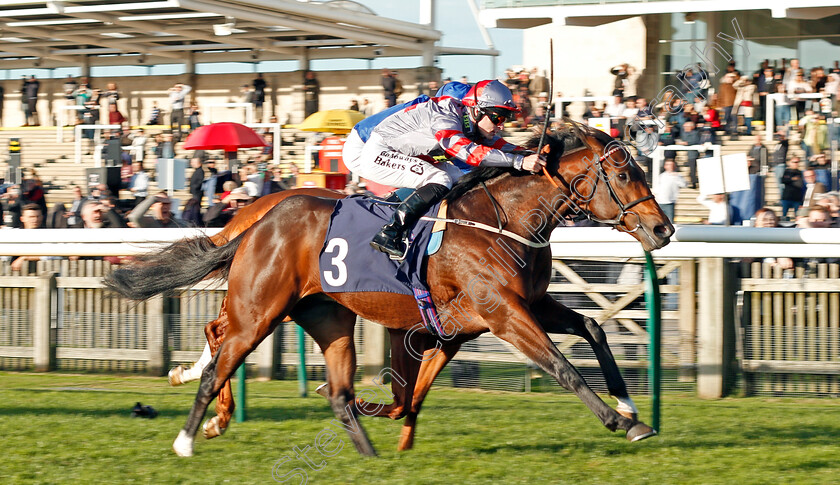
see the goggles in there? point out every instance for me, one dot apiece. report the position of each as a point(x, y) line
point(497, 115)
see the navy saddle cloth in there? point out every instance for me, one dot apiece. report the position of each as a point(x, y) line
point(349, 264)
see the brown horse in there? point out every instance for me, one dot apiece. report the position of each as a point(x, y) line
point(418, 372)
point(273, 272)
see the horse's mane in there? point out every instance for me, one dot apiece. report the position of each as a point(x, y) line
point(560, 140)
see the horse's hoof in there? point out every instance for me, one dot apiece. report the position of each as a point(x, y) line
point(183, 445)
point(629, 415)
point(324, 390)
point(176, 376)
point(640, 431)
point(212, 428)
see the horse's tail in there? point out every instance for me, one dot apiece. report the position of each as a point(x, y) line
point(183, 263)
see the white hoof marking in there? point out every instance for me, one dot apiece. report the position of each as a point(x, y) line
point(324, 390)
point(176, 376)
point(626, 405)
point(183, 445)
point(212, 428)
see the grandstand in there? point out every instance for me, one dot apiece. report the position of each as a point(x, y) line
point(55, 164)
point(57, 169)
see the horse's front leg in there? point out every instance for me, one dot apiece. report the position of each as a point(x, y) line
point(516, 324)
point(555, 317)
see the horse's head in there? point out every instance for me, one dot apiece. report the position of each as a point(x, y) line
point(605, 182)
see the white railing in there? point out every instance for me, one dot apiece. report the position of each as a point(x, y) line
point(62, 120)
point(769, 115)
point(559, 102)
point(249, 110)
point(96, 139)
point(275, 130)
point(91, 242)
point(689, 241)
point(658, 156)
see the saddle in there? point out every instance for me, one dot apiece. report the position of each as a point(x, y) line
point(347, 263)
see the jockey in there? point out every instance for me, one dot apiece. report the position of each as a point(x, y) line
point(359, 135)
point(400, 148)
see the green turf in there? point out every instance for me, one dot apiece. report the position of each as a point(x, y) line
point(61, 428)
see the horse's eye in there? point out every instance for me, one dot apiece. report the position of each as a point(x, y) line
point(622, 176)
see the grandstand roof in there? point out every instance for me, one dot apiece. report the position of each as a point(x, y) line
point(63, 33)
point(524, 14)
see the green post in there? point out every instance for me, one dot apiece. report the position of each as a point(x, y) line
point(653, 302)
point(302, 358)
point(239, 410)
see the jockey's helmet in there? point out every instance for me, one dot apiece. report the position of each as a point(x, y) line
point(490, 94)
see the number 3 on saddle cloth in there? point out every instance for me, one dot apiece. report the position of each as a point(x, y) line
point(349, 264)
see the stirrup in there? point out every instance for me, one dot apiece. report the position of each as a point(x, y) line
point(394, 257)
point(391, 251)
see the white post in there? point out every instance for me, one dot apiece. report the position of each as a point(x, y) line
point(307, 159)
point(657, 163)
point(769, 119)
point(170, 172)
point(62, 114)
point(156, 336)
point(715, 328)
point(277, 143)
point(376, 349)
point(265, 357)
point(97, 155)
point(41, 319)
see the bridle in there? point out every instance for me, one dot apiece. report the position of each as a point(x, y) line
point(602, 176)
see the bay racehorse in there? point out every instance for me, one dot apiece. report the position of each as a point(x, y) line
point(272, 272)
point(418, 367)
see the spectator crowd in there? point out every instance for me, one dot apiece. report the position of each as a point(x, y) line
point(710, 109)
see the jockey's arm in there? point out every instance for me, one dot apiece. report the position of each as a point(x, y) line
point(531, 163)
point(451, 138)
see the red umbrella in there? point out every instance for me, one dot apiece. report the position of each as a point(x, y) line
point(223, 136)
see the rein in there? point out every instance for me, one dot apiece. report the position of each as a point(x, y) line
point(488, 228)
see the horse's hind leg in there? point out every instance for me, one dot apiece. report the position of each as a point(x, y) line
point(332, 325)
point(240, 339)
point(519, 326)
point(218, 424)
point(557, 318)
point(429, 370)
point(215, 333)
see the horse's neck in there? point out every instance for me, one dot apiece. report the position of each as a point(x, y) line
point(523, 201)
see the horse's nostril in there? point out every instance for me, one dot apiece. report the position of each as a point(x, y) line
point(663, 230)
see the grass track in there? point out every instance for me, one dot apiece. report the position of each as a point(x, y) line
point(61, 428)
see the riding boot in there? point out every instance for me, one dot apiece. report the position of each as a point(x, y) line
point(391, 239)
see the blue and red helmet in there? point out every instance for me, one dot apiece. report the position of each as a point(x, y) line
point(490, 94)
